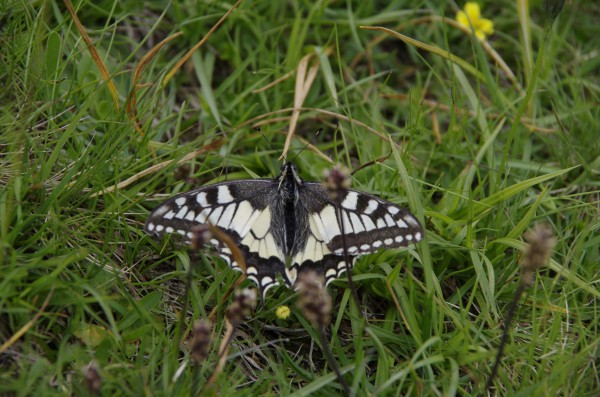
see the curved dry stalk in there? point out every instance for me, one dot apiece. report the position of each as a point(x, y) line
point(274, 83)
point(223, 350)
point(157, 167)
point(338, 116)
point(434, 105)
point(450, 22)
point(430, 48)
point(304, 80)
point(188, 55)
point(130, 105)
point(237, 257)
point(95, 56)
point(15, 337)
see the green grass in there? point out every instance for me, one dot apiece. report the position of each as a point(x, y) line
point(81, 282)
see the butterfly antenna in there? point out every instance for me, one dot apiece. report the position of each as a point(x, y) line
point(307, 145)
point(268, 141)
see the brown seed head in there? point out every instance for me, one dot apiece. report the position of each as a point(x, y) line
point(201, 236)
point(541, 243)
point(201, 338)
point(337, 181)
point(182, 173)
point(93, 381)
point(243, 303)
point(314, 301)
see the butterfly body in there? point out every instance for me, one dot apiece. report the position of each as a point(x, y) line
point(285, 226)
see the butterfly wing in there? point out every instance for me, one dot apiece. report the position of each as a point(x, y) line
point(239, 208)
point(363, 221)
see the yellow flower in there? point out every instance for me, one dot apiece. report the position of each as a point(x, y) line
point(283, 312)
point(472, 13)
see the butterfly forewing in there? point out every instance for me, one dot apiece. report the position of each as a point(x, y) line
point(359, 222)
point(240, 209)
point(367, 223)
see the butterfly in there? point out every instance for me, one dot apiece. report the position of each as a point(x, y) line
point(286, 226)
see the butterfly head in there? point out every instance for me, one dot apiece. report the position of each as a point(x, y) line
point(289, 180)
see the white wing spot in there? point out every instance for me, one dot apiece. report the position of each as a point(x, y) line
point(226, 258)
point(320, 251)
point(272, 249)
point(249, 222)
point(251, 270)
point(377, 244)
point(369, 225)
point(225, 219)
point(347, 225)
point(316, 227)
point(356, 223)
point(215, 215)
point(251, 243)
point(180, 201)
point(268, 287)
point(150, 226)
point(255, 247)
point(331, 273)
point(330, 223)
point(160, 210)
point(201, 199)
point(401, 224)
point(190, 235)
point(388, 241)
point(159, 228)
point(393, 210)
point(266, 280)
point(350, 201)
point(224, 195)
point(341, 265)
point(241, 217)
point(262, 224)
point(371, 207)
point(365, 247)
point(169, 215)
point(352, 249)
point(409, 237)
point(418, 236)
point(399, 239)
point(169, 229)
point(264, 249)
point(411, 220)
point(182, 212)
point(389, 220)
point(190, 216)
point(309, 249)
point(203, 216)
point(381, 223)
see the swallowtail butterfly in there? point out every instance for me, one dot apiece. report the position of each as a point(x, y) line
point(285, 226)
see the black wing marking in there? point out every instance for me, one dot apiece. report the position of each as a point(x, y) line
point(239, 208)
